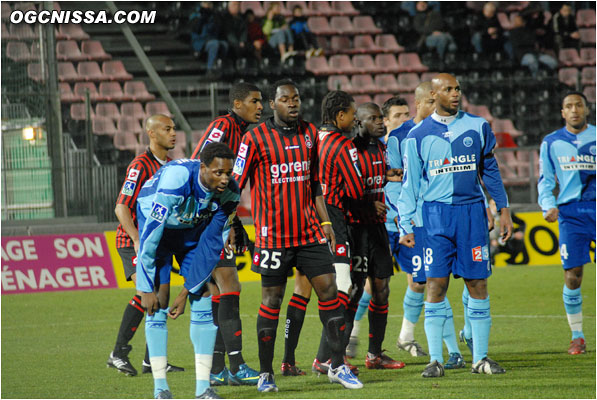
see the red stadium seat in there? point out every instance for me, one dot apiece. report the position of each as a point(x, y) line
point(568, 76)
point(318, 66)
point(103, 126)
point(340, 82)
point(428, 76)
point(322, 8)
point(5, 34)
point(364, 64)
point(387, 63)
point(78, 112)
point(481, 111)
point(364, 84)
point(585, 18)
point(343, 25)
point(387, 83)
point(365, 44)
point(94, 50)
point(589, 93)
point(587, 36)
point(364, 24)
point(381, 98)
point(68, 50)
point(24, 31)
point(34, 72)
point(90, 71)
point(408, 82)
point(343, 8)
point(177, 153)
point(255, 6)
point(340, 44)
point(587, 76)
point(587, 55)
point(6, 11)
point(157, 107)
point(35, 50)
point(133, 109)
point(341, 64)
point(124, 140)
point(388, 43)
point(18, 51)
point(108, 110)
point(81, 87)
point(128, 123)
point(115, 71)
point(66, 93)
point(362, 99)
point(111, 91)
point(410, 62)
point(320, 26)
point(137, 91)
point(569, 58)
point(505, 125)
point(73, 32)
point(67, 72)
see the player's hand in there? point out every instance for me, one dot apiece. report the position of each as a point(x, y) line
point(408, 240)
point(506, 226)
point(231, 241)
point(551, 215)
point(136, 244)
point(380, 208)
point(490, 219)
point(394, 175)
point(149, 301)
point(329, 235)
point(241, 238)
point(179, 304)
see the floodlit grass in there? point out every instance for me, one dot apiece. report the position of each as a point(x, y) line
point(55, 345)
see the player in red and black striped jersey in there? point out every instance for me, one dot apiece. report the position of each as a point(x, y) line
point(279, 157)
point(246, 102)
point(162, 137)
point(371, 246)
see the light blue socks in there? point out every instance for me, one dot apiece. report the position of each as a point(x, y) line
point(363, 306)
point(468, 333)
point(573, 306)
point(412, 304)
point(449, 333)
point(480, 320)
point(156, 335)
point(203, 335)
point(435, 318)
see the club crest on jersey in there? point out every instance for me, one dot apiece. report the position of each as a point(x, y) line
point(308, 141)
point(158, 212)
point(239, 165)
point(592, 150)
point(133, 175)
point(128, 189)
point(468, 141)
point(242, 150)
point(215, 135)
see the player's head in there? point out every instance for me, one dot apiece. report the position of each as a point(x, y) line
point(445, 90)
point(370, 120)
point(338, 108)
point(424, 102)
point(160, 129)
point(575, 111)
point(489, 9)
point(285, 101)
point(395, 112)
point(217, 161)
point(245, 99)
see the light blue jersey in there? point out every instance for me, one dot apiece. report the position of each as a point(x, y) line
point(570, 159)
point(178, 215)
point(443, 162)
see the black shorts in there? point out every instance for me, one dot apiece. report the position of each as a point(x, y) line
point(338, 219)
point(127, 254)
point(371, 254)
point(274, 265)
point(227, 259)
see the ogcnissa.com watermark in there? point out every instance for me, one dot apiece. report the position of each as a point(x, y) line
point(78, 17)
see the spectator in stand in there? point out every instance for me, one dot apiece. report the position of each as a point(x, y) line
point(488, 35)
point(236, 30)
point(278, 33)
point(303, 37)
point(525, 48)
point(564, 28)
point(535, 21)
point(411, 6)
point(257, 39)
point(206, 36)
point(430, 25)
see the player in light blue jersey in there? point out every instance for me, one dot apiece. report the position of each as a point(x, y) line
point(444, 157)
point(568, 157)
point(185, 211)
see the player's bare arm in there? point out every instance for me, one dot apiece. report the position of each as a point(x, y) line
point(150, 302)
point(394, 175)
point(123, 213)
point(408, 240)
point(325, 221)
point(551, 215)
point(179, 304)
point(506, 226)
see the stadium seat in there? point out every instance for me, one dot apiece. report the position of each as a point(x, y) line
point(24, 6)
point(176, 153)
point(322, 9)
point(108, 110)
point(340, 44)
point(124, 140)
point(387, 63)
point(340, 82)
point(344, 8)
point(568, 76)
point(137, 91)
point(35, 51)
point(283, 9)
point(362, 99)
point(365, 44)
point(128, 123)
point(255, 6)
point(364, 64)
point(94, 50)
point(5, 33)
point(157, 107)
point(73, 32)
point(78, 112)
point(18, 51)
point(34, 72)
point(115, 71)
point(318, 66)
point(589, 93)
point(388, 43)
point(585, 18)
point(319, 26)
point(505, 125)
point(80, 88)
point(587, 55)
point(507, 164)
point(587, 36)
point(133, 109)
point(410, 62)
point(570, 58)
point(381, 98)
point(387, 83)
point(341, 64)
point(24, 31)
point(408, 81)
point(111, 91)
point(103, 126)
point(481, 111)
point(144, 139)
point(68, 50)
point(67, 72)
point(587, 76)
point(90, 71)
point(364, 84)
point(364, 24)
point(66, 93)
point(6, 11)
point(196, 135)
point(343, 25)
point(428, 76)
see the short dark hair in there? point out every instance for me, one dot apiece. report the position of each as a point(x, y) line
point(277, 84)
point(215, 150)
point(240, 91)
point(334, 102)
point(392, 101)
point(577, 93)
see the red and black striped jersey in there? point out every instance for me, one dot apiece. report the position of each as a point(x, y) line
point(373, 165)
point(281, 164)
point(339, 172)
point(139, 170)
point(228, 129)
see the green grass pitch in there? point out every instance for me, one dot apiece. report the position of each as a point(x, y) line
point(55, 345)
